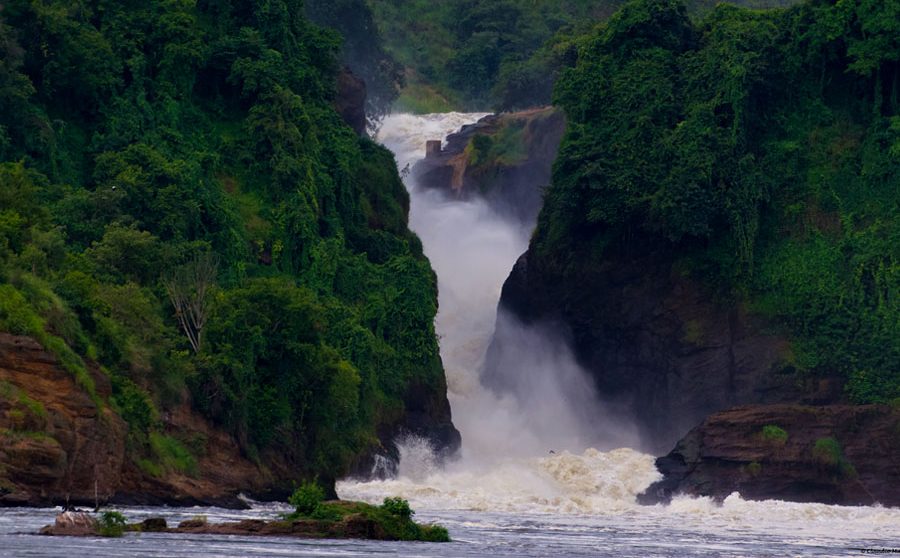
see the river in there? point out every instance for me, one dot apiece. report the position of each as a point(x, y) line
point(507, 494)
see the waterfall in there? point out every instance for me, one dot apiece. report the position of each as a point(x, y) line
point(534, 447)
point(505, 464)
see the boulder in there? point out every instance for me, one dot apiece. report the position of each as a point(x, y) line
point(72, 524)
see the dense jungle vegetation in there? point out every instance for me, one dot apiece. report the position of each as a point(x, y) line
point(762, 149)
point(180, 203)
point(492, 54)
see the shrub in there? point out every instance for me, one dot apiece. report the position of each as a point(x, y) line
point(306, 498)
point(775, 434)
point(398, 507)
point(434, 533)
point(828, 452)
point(112, 524)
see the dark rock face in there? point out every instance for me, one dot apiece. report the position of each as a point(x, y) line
point(837, 454)
point(427, 415)
point(512, 184)
point(351, 100)
point(654, 340)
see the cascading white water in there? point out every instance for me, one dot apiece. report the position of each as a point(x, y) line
point(507, 496)
point(507, 441)
point(506, 464)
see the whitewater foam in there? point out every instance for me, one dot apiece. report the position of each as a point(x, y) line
point(506, 465)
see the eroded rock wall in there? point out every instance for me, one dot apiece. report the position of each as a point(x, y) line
point(835, 454)
point(56, 444)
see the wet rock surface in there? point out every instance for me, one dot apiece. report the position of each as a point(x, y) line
point(350, 102)
point(655, 342)
point(516, 166)
point(833, 454)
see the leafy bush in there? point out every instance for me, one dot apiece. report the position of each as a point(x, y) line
point(828, 451)
point(434, 533)
point(306, 498)
point(112, 524)
point(775, 434)
point(397, 506)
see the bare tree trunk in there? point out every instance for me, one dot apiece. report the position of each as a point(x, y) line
point(188, 289)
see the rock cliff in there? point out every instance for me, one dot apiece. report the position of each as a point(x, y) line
point(57, 445)
point(350, 102)
point(655, 340)
point(505, 158)
point(835, 454)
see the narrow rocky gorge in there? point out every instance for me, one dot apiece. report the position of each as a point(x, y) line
point(664, 349)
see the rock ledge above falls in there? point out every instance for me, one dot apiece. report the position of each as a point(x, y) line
point(507, 159)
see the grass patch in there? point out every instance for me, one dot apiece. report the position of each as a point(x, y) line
point(150, 468)
point(36, 435)
point(774, 434)
point(172, 455)
point(17, 316)
point(419, 97)
point(22, 405)
point(828, 452)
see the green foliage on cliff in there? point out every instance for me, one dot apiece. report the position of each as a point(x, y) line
point(762, 149)
point(180, 203)
point(480, 54)
point(774, 434)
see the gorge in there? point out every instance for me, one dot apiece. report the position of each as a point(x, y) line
point(660, 316)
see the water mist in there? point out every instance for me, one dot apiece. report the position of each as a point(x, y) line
point(525, 445)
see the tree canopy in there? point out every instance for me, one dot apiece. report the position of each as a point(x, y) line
point(141, 139)
point(760, 149)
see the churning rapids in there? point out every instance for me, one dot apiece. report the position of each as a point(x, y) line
point(507, 495)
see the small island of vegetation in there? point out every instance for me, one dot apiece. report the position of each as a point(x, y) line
point(313, 517)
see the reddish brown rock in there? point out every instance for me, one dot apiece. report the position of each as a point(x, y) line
point(56, 445)
point(834, 454)
point(54, 441)
point(72, 524)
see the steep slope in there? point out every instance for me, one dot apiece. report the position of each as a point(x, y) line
point(191, 230)
point(721, 228)
point(503, 158)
